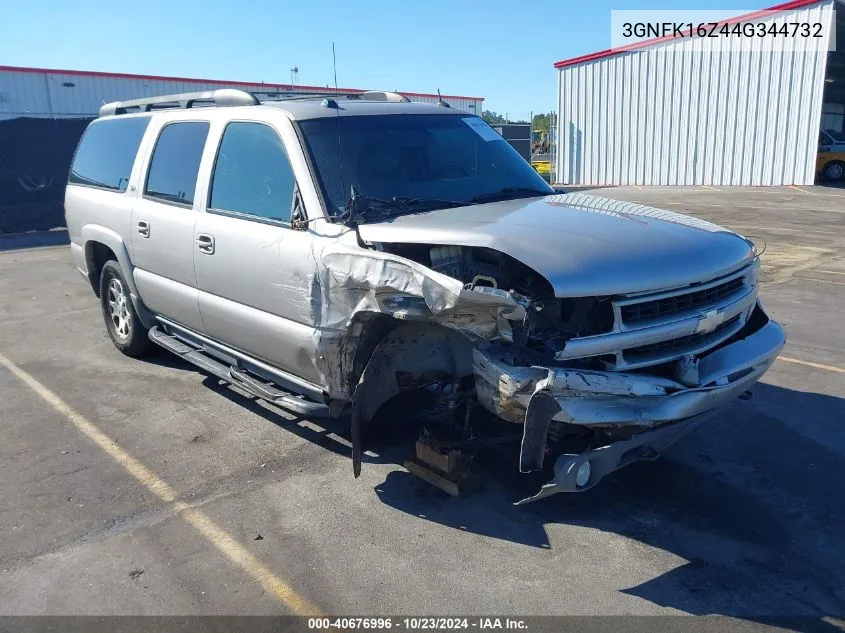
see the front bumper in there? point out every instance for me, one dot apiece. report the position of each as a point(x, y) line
point(702, 386)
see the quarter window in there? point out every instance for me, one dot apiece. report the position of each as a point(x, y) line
point(252, 173)
point(176, 162)
point(107, 151)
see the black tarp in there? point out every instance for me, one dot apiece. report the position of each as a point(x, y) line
point(35, 157)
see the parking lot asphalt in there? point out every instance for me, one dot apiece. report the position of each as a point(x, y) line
point(146, 487)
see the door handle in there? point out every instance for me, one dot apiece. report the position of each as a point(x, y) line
point(143, 229)
point(205, 243)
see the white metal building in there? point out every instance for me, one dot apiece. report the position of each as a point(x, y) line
point(51, 93)
point(698, 111)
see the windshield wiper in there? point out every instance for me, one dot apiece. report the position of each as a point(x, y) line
point(429, 204)
point(360, 208)
point(509, 193)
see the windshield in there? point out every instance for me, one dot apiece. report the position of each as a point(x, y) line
point(838, 137)
point(443, 158)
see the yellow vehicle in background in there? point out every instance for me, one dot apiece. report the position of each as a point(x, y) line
point(830, 160)
point(540, 158)
point(542, 167)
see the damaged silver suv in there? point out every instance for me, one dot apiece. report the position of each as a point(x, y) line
point(328, 253)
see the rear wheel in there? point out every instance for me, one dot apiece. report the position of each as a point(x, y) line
point(125, 329)
point(834, 171)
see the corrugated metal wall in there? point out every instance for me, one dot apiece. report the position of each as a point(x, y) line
point(57, 94)
point(706, 116)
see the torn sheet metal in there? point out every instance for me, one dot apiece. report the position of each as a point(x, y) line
point(664, 409)
point(596, 398)
point(506, 390)
point(353, 281)
point(604, 460)
point(542, 407)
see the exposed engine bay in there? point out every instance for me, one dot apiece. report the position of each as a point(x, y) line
point(549, 321)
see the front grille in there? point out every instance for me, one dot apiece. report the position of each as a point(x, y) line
point(680, 345)
point(677, 304)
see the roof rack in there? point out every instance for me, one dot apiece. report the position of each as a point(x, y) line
point(230, 97)
point(219, 98)
point(380, 95)
point(289, 95)
point(369, 95)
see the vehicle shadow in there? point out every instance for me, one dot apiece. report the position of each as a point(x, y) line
point(753, 506)
point(332, 434)
point(829, 185)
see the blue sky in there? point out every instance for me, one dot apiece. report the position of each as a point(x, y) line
point(492, 49)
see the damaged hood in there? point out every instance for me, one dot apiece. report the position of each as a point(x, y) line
point(584, 245)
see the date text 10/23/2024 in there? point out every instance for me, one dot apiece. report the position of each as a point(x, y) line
point(419, 623)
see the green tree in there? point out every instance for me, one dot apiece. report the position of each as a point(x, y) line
point(541, 122)
point(493, 118)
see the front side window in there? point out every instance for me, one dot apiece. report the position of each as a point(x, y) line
point(252, 173)
point(107, 151)
point(172, 176)
point(438, 157)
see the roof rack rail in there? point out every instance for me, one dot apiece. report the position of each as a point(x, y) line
point(219, 98)
point(284, 95)
point(369, 95)
point(231, 97)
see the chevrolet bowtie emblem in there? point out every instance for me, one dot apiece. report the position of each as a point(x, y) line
point(709, 321)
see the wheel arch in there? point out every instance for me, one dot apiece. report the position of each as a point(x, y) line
point(100, 245)
point(414, 348)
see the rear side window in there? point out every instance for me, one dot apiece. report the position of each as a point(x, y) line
point(106, 153)
point(252, 174)
point(172, 176)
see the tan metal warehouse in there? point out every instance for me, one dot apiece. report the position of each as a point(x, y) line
point(697, 110)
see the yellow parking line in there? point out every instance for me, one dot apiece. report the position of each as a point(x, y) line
point(219, 538)
point(709, 187)
point(839, 370)
point(809, 193)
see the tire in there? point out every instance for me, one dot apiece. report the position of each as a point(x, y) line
point(834, 171)
point(125, 329)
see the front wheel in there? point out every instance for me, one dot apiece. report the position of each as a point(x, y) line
point(125, 329)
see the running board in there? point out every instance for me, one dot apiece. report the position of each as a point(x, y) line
point(266, 391)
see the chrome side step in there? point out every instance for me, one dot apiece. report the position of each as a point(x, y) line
point(228, 356)
point(236, 376)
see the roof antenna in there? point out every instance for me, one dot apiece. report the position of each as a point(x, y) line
point(333, 103)
point(440, 101)
point(334, 68)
